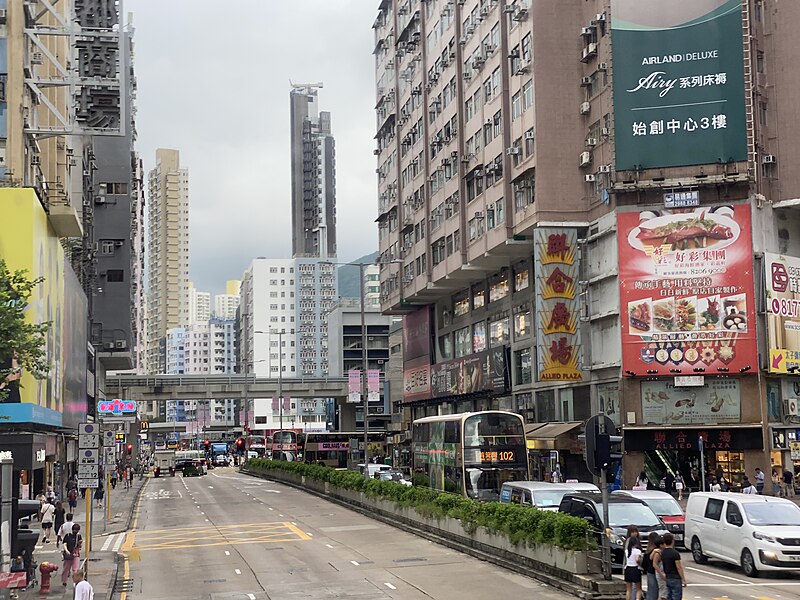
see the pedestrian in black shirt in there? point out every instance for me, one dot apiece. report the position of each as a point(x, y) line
point(673, 569)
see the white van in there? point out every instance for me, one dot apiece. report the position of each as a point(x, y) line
point(373, 468)
point(756, 532)
point(541, 494)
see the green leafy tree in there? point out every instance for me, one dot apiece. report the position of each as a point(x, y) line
point(22, 344)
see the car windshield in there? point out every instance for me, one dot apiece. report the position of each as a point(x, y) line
point(623, 514)
point(548, 498)
point(774, 514)
point(666, 507)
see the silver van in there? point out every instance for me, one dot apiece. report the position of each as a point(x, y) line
point(541, 494)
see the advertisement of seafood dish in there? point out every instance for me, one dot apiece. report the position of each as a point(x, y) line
point(686, 291)
point(716, 402)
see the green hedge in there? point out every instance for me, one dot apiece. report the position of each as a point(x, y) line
point(522, 524)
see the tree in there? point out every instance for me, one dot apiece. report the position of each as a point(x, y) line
point(22, 344)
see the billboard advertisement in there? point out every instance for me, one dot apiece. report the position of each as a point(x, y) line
point(686, 291)
point(31, 244)
point(679, 92)
point(556, 268)
point(718, 401)
point(783, 312)
point(416, 383)
point(479, 372)
point(417, 334)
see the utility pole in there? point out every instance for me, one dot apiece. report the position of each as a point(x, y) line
point(364, 366)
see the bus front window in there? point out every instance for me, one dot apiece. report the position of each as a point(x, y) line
point(484, 483)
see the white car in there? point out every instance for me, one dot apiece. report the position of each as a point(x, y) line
point(759, 533)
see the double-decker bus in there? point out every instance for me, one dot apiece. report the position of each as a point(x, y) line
point(285, 445)
point(261, 445)
point(335, 448)
point(471, 454)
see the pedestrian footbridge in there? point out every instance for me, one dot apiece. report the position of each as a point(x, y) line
point(221, 387)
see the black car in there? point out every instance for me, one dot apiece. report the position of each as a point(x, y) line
point(622, 511)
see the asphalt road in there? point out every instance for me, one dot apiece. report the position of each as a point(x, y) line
point(230, 536)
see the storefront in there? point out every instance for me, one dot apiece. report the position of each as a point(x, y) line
point(552, 445)
point(29, 451)
point(732, 451)
point(785, 447)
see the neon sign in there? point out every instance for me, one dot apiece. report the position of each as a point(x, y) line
point(116, 407)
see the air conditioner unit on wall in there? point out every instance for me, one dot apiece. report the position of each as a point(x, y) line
point(585, 158)
point(585, 108)
point(769, 159)
point(590, 178)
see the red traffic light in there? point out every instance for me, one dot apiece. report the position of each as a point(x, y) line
point(239, 442)
point(130, 448)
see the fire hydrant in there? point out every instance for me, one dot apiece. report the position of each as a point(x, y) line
point(46, 569)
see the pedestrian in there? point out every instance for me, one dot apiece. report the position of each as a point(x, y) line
point(633, 559)
point(98, 496)
point(58, 521)
point(669, 482)
point(50, 495)
point(113, 479)
point(555, 476)
point(788, 484)
point(776, 483)
point(72, 499)
point(715, 486)
point(71, 553)
point(673, 569)
point(42, 500)
point(679, 486)
point(719, 474)
point(648, 568)
point(83, 589)
point(67, 527)
point(641, 481)
point(130, 477)
point(759, 481)
point(46, 517)
point(747, 487)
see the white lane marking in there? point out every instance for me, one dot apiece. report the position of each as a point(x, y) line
point(390, 586)
point(309, 534)
point(329, 546)
point(118, 544)
point(211, 487)
point(272, 508)
point(227, 553)
point(293, 523)
point(107, 543)
point(206, 520)
point(251, 596)
point(742, 581)
point(202, 513)
point(354, 562)
point(237, 571)
point(280, 515)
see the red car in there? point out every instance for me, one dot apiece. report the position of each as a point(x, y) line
point(666, 507)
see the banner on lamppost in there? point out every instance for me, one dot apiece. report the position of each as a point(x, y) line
point(373, 385)
point(354, 385)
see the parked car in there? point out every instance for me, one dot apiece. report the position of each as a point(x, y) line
point(622, 511)
point(759, 533)
point(392, 475)
point(541, 494)
point(666, 507)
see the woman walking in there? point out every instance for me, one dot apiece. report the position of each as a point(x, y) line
point(655, 559)
point(46, 517)
point(679, 486)
point(58, 521)
point(98, 496)
point(633, 559)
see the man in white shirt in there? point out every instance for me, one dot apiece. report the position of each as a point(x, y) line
point(747, 487)
point(66, 527)
point(759, 481)
point(83, 589)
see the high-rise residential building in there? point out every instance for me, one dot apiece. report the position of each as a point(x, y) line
point(199, 306)
point(225, 305)
point(313, 164)
point(292, 296)
point(584, 196)
point(372, 286)
point(167, 253)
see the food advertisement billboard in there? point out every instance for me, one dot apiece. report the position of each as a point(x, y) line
point(556, 267)
point(783, 312)
point(686, 291)
point(718, 401)
point(679, 93)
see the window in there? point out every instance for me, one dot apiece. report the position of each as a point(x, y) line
point(497, 120)
point(479, 336)
point(115, 275)
point(527, 95)
point(487, 90)
point(496, 81)
point(760, 61)
point(522, 323)
point(446, 346)
point(499, 211)
point(529, 146)
point(526, 49)
point(498, 288)
point(498, 332)
point(762, 113)
point(116, 188)
point(733, 515)
point(478, 297)
point(463, 344)
point(522, 366)
point(461, 304)
point(521, 280)
point(107, 247)
point(516, 106)
point(714, 509)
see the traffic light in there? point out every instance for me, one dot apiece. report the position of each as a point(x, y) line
point(240, 446)
point(601, 448)
point(23, 538)
point(129, 448)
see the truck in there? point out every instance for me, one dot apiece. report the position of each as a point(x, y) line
point(219, 454)
point(164, 462)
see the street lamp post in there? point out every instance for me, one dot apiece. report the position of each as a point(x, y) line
point(364, 366)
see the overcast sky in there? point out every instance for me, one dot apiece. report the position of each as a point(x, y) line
point(213, 82)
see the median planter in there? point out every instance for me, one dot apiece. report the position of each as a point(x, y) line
point(549, 546)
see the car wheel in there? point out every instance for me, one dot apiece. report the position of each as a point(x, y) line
point(697, 552)
point(749, 564)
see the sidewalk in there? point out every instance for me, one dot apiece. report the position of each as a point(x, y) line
point(102, 564)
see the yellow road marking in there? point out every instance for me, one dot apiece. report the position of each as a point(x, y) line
point(237, 526)
point(301, 534)
point(264, 533)
point(221, 543)
point(129, 540)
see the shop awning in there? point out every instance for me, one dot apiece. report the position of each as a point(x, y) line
point(542, 436)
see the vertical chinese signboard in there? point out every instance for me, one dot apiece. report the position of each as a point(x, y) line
point(353, 385)
point(783, 312)
point(686, 292)
point(557, 311)
point(373, 385)
point(679, 93)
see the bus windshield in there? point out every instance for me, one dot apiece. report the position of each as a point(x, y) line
point(485, 483)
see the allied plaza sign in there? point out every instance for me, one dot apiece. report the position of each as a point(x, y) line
point(116, 407)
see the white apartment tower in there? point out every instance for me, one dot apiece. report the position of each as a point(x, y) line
point(225, 305)
point(199, 305)
point(167, 254)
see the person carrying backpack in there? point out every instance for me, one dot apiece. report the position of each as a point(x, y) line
point(72, 499)
point(71, 553)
